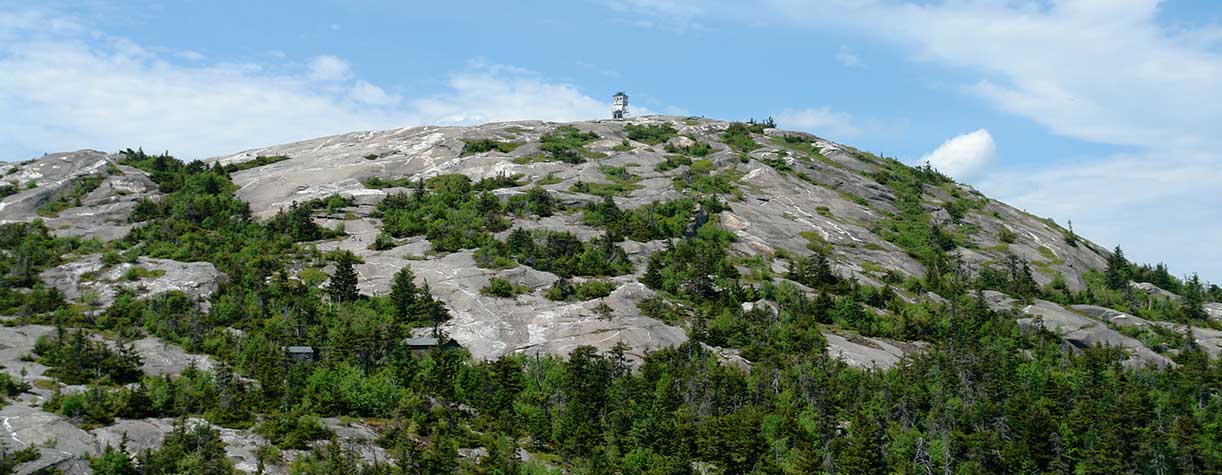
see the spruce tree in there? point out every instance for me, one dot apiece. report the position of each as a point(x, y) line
point(403, 293)
point(1118, 272)
point(343, 282)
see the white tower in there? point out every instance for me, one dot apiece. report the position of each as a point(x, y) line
point(619, 105)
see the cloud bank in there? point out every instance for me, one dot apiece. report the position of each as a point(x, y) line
point(65, 87)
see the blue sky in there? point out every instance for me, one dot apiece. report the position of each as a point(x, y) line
point(1102, 112)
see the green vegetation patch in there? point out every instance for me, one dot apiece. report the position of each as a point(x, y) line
point(650, 134)
point(560, 253)
point(698, 149)
point(70, 197)
point(672, 162)
point(257, 162)
point(738, 137)
point(912, 228)
point(618, 174)
point(549, 179)
point(658, 220)
point(473, 147)
point(700, 178)
point(604, 189)
point(564, 290)
point(501, 287)
point(567, 144)
point(446, 209)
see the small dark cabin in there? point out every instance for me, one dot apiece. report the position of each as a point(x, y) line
point(421, 345)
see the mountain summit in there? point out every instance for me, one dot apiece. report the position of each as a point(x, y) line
point(622, 237)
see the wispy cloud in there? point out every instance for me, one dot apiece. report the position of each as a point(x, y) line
point(64, 87)
point(822, 121)
point(329, 68)
point(848, 58)
point(837, 125)
point(672, 15)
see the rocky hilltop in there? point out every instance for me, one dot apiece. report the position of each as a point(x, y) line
point(788, 199)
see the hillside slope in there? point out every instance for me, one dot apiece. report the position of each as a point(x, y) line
point(754, 247)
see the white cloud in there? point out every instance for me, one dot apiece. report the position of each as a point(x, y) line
point(370, 94)
point(848, 58)
point(672, 15)
point(963, 156)
point(491, 93)
point(820, 121)
point(329, 68)
point(64, 88)
point(191, 55)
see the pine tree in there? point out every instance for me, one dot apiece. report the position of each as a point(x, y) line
point(403, 293)
point(653, 276)
point(343, 282)
point(1118, 270)
point(1193, 305)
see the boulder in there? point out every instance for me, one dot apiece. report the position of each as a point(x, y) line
point(680, 142)
point(1153, 291)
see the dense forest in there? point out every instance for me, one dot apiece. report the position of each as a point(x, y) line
point(986, 396)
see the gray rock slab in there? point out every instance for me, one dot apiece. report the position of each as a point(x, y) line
point(90, 277)
point(1078, 329)
point(865, 352)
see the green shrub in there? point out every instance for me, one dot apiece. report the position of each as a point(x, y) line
point(383, 241)
point(485, 145)
point(700, 149)
point(650, 134)
point(738, 137)
point(672, 162)
point(566, 144)
point(623, 146)
point(257, 162)
point(1007, 236)
point(563, 290)
point(293, 430)
point(502, 288)
point(560, 253)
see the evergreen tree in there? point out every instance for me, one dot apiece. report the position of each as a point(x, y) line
point(1119, 270)
point(343, 281)
point(1193, 305)
point(114, 461)
point(403, 293)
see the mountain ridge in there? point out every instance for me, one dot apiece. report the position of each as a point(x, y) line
point(628, 238)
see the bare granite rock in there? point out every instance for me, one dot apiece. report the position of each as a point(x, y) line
point(1214, 310)
point(90, 280)
point(1077, 329)
point(1208, 339)
point(865, 352)
point(100, 214)
point(1153, 291)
